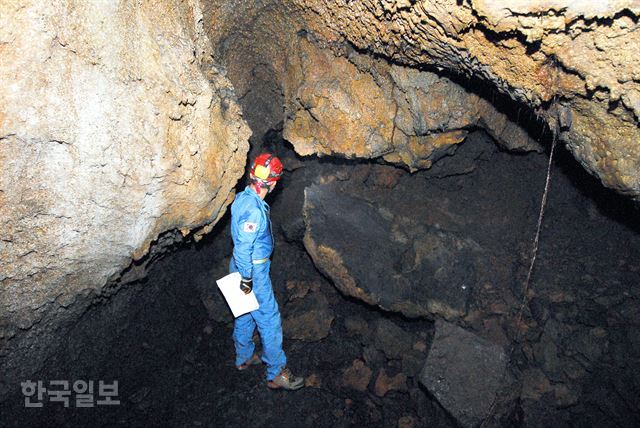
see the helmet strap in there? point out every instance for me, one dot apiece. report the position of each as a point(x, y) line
point(260, 184)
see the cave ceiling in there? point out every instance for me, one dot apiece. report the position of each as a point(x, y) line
point(570, 65)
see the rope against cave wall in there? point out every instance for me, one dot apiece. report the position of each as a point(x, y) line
point(534, 255)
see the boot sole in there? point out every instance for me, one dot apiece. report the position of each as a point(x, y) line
point(249, 364)
point(275, 386)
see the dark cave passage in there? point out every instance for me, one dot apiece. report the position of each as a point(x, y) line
point(167, 338)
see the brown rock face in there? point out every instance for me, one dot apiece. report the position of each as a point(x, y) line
point(114, 128)
point(574, 61)
point(357, 376)
point(308, 318)
point(251, 39)
point(385, 383)
point(360, 107)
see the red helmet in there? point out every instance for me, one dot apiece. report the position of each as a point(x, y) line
point(266, 169)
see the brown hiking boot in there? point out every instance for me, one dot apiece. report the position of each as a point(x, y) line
point(286, 380)
point(253, 361)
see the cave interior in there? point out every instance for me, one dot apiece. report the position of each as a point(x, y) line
point(442, 261)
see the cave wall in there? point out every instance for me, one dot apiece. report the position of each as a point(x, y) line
point(331, 100)
point(115, 127)
point(574, 62)
point(252, 40)
point(569, 65)
point(359, 107)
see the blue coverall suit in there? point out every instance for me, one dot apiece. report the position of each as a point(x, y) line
point(253, 244)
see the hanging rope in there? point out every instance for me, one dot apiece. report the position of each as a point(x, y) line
point(536, 240)
point(534, 255)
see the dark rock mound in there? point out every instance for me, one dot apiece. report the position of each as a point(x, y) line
point(464, 373)
point(308, 318)
point(376, 254)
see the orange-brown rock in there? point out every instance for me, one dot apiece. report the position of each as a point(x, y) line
point(308, 318)
point(357, 376)
point(385, 383)
point(359, 107)
point(573, 61)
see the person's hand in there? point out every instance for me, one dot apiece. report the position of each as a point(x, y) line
point(246, 285)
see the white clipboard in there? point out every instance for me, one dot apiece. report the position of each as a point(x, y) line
point(238, 302)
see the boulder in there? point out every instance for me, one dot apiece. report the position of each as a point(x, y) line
point(534, 384)
point(406, 422)
point(297, 289)
point(308, 318)
point(374, 357)
point(387, 260)
point(464, 373)
point(391, 339)
point(385, 383)
point(355, 324)
point(357, 376)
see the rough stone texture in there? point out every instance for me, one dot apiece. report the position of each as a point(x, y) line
point(412, 362)
point(418, 270)
point(580, 53)
point(406, 422)
point(385, 383)
point(356, 325)
point(391, 339)
point(114, 128)
point(360, 107)
point(251, 39)
point(464, 372)
point(571, 63)
point(308, 318)
point(357, 376)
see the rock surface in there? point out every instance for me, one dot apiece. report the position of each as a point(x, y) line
point(359, 107)
point(415, 269)
point(391, 339)
point(114, 128)
point(573, 61)
point(385, 383)
point(251, 39)
point(464, 373)
point(357, 376)
point(570, 64)
point(308, 318)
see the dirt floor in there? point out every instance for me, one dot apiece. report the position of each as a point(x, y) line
point(167, 339)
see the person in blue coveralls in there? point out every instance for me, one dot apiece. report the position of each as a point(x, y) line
point(253, 245)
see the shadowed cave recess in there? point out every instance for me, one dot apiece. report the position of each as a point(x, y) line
point(404, 228)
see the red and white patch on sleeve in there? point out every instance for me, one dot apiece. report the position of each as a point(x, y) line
point(249, 227)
